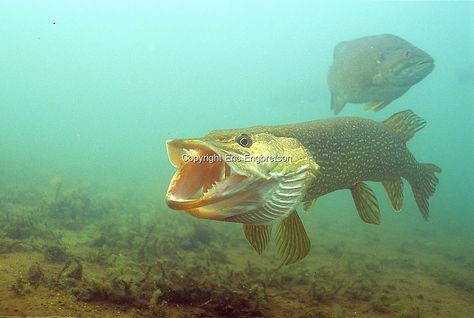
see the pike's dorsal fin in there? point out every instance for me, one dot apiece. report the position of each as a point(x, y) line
point(258, 236)
point(405, 124)
point(308, 204)
point(291, 239)
point(337, 103)
point(394, 189)
point(366, 203)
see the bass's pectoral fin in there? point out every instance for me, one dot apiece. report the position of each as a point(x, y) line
point(366, 203)
point(337, 103)
point(258, 236)
point(376, 106)
point(291, 239)
point(394, 189)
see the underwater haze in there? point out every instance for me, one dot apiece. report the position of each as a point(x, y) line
point(91, 90)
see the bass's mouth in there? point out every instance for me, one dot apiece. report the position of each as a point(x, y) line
point(424, 65)
point(204, 183)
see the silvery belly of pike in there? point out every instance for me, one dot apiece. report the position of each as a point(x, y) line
point(326, 155)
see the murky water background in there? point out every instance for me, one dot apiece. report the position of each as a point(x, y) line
point(89, 93)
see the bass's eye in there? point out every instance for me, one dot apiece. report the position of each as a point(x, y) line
point(406, 54)
point(244, 140)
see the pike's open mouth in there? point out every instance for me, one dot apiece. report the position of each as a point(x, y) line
point(204, 180)
point(208, 186)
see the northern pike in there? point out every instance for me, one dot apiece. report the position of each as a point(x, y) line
point(260, 176)
point(375, 70)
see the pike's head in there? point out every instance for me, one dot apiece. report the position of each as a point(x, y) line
point(239, 176)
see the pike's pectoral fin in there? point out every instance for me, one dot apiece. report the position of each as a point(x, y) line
point(366, 203)
point(308, 204)
point(375, 106)
point(291, 239)
point(394, 189)
point(258, 236)
point(337, 103)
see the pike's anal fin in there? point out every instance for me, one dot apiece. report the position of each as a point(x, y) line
point(394, 189)
point(291, 239)
point(258, 236)
point(308, 204)
point(366, 203)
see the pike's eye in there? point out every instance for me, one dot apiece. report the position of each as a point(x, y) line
point(244, 140)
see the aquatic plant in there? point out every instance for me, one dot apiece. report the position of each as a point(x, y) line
point(141, 253)
point(20, 226)
point(338, 311)
point(413, 312)
point(55, 254)
point(325, 285)
point(460, 280)
point(360, 289)
point(72, 269)
point(20, 287)
point(9, 246)
point(100, 256)
point(35, 275)
point(156, 305)
point(157, 265)
point(92, 290)
point(73, 209)
point(383, 304)
point(56, 183)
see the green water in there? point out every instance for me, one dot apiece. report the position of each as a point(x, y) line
point(90, 91)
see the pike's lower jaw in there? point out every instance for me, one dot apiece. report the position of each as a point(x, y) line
point(199, 183)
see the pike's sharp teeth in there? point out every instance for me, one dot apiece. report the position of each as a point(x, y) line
point(222, 174)
point(212, 187)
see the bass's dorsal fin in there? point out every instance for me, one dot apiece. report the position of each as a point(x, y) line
point(405, 124)
point(291, 239)
point(258, 236)
point(394, 189)
point(366, 203)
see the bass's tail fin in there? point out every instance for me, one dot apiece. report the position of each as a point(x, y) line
point(424, 185)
